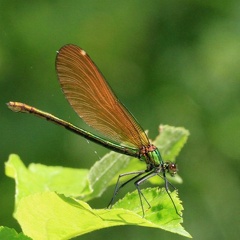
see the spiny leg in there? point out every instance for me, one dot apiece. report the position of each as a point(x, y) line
point(166, 182)
point(165, 179)
point(138, 183)
point(117, 187)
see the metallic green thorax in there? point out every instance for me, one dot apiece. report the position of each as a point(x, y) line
point(151, 155)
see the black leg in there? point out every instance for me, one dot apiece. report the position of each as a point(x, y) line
point(167, 190)
point(141, 181)
point(165, 179)
point(117, 187)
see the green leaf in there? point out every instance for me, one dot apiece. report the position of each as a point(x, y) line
point(162, 213)
point(40, 178)
point(10, 234)
point(62, 216)
point(104, 171)
point(58, 217)
point(170, 141)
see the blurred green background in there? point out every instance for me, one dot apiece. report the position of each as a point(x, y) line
point(171, 62)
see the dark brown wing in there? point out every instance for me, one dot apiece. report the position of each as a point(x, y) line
point(90, 96)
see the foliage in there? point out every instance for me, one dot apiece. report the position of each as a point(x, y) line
point(47, 207)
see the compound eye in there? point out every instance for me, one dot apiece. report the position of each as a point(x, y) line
point(172, 168)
